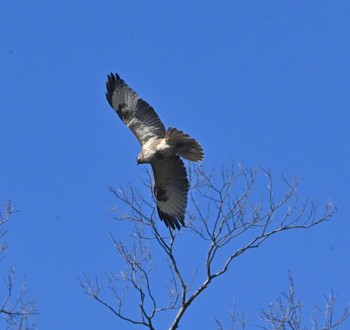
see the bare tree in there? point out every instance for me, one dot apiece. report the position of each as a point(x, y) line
point(16, 311)
point(286, 312)
point(228, 215)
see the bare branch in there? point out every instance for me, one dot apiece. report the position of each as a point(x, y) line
point(328, 313)
point(4, 218)
point(15, 310)
point(236, 320)
point(286, 312)
point(228, 214)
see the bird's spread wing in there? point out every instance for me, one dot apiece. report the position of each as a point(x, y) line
point(137, 114)
point(170, 188)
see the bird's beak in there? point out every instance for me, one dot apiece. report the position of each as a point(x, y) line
point(140, 160)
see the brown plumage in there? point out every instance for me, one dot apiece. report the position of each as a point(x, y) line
point(159, 147)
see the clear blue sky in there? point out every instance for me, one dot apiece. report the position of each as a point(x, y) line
point(263, 83)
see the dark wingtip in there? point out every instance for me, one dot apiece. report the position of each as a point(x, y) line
point(110, 85)
point(171, 221)
point(113, 80)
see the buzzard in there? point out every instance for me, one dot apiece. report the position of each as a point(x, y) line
point(159, 147)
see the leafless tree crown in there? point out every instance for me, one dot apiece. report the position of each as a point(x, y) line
point(16, 312)
point(286, 312)
point(228, 214)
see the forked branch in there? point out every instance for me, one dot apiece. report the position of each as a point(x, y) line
point(228, 214)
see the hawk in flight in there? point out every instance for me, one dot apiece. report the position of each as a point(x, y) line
point(159, 147)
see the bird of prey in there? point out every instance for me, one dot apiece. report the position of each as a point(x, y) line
point(159, 147)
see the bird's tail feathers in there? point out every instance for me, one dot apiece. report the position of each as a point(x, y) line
point(184, 145)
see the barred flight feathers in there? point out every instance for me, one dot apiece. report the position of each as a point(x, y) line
point(162, 149)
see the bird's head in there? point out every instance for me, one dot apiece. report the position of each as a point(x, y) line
point(140, 159)
point(146, 156)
